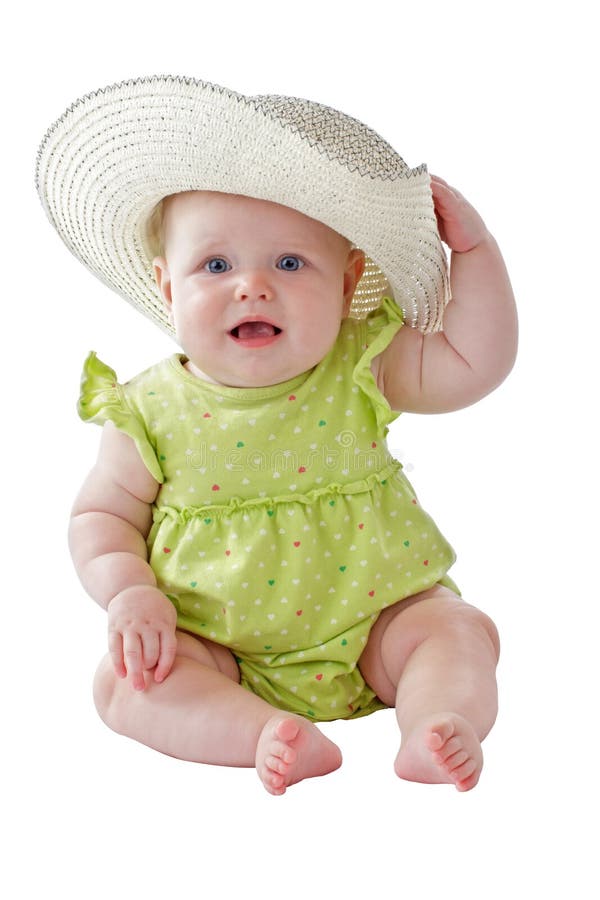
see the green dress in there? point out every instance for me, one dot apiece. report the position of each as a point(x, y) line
point(282, 526)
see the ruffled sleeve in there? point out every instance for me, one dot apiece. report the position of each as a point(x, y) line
point(103, 399)
point(381, 326)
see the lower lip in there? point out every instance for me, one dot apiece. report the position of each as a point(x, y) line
point(256, 342)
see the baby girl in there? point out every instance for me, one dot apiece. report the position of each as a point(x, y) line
point(264, 563)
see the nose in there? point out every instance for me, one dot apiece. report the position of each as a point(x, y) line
point(253, 285)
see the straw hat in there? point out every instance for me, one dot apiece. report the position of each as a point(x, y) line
point(103, 167)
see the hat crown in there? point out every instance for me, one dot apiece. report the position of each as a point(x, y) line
point(340, 137)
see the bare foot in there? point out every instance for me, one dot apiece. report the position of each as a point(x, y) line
point(441, 750)
point(290, 749)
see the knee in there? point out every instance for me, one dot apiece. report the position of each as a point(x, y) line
point(467, 621)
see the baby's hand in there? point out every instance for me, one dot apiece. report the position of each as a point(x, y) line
point(141, 634)
point(460, 225)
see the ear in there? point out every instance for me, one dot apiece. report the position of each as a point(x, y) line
point(163, 280)
point(355, 266)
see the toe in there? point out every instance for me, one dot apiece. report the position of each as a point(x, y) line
point(440, 735)
point(276, 764)
point(287, 730)
point(448, 749)
point(284, 752)
point(466, 771)
point(454, 762)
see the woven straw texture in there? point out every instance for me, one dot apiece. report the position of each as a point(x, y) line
point(114, 154)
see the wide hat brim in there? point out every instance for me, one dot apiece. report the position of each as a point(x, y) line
point(114, 154)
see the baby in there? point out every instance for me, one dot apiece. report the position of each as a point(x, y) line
point(264, 563)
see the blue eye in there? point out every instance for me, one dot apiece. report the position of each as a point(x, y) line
point(217, 265)
point(289, 263)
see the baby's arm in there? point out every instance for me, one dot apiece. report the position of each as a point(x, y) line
point(476, 350)
point(109, 524)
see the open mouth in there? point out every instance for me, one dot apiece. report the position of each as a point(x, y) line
point(255, 333)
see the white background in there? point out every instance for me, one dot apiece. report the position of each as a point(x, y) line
point(502, 101)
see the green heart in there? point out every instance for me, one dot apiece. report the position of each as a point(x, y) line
point(406, 543)
point(271, 581)
point(270, 512)
point(163, 458)
point(268, 646)
point(208, 521)
point(240, 444)
point(193, 584)
point(332, 502)
point(311, 713)
point(322, 422)
point(342, 568)
point(344, 642)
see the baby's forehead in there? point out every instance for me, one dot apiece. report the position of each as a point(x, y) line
point(213, 206)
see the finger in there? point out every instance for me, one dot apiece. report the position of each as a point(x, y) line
point(444, 195)
point(115, 649)
point(132, 652)
point(150, 648)
point(168, 651)
point(435, 179)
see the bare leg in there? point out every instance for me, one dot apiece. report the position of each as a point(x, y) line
point(200, 713)
point(435, 661)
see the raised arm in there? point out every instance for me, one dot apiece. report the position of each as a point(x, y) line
point(476, 350)
point(109, 524)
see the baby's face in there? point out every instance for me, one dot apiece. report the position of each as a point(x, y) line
point(256, 291)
